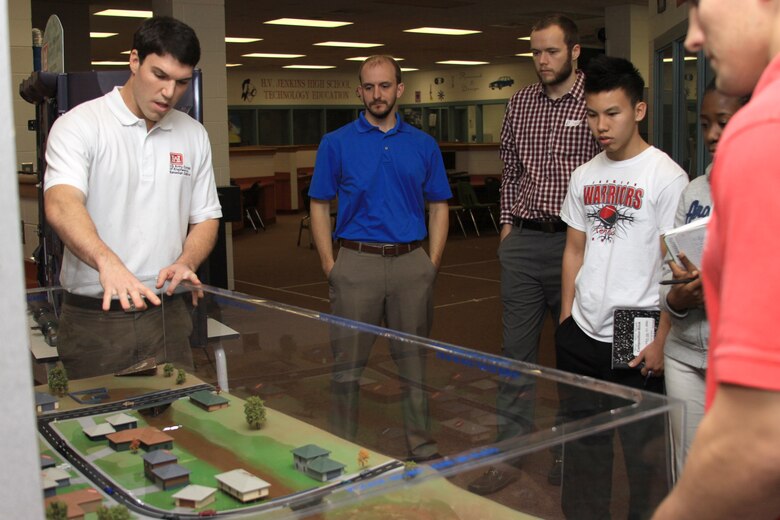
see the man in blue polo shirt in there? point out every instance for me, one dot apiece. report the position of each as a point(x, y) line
point(382, 171)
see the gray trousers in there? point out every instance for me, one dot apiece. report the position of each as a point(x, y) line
point(396, 291)
point(95, 343)
point(530, 286)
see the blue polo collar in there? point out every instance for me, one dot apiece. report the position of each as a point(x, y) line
point(364, 126)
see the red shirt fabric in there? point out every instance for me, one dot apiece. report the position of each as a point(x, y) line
point(740, 266)
point(543, 141)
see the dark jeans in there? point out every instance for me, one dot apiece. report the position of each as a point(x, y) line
point(588, 462)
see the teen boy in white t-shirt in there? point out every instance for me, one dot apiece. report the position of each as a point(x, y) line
point(618, 206)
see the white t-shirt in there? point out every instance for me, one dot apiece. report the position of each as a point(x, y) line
point(142, 188)
point(623, 207)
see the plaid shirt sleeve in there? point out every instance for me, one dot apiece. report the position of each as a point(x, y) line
point(510, 177)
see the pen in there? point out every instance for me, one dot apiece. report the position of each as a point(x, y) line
point(681, 280)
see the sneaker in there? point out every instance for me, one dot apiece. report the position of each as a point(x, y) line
point(556, 472)
point(491, 481)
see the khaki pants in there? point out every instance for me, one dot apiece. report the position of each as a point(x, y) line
point(94, 343)
point(396, 291)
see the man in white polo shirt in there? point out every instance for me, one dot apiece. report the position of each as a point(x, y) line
point(129, 188)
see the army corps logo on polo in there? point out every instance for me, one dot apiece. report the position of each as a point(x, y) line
point(177, 165)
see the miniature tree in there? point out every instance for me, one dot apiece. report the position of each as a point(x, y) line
point(168, 370)
point(254, 409)
point(117, 512)
point(181, 376)
point(135, 445)
point(363, 458)
point(58, 380)
point(57, 510)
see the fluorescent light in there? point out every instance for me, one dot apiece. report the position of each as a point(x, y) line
point(127, 13)
point(462, 62)
point(687, 58)
point(303, 22)
point(408, 69)
point(125, 52)
point(525, 55)
point(364, 58)
point(109, 63)
point(233, 64)
point(526, 38)
point(313, 67)
point(236, 39)
point(441, 30)
point(101, 34)
point(271, 55)
point(357, 45)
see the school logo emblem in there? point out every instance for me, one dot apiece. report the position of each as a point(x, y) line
point(177, 166)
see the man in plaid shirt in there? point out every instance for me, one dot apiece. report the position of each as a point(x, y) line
point(544, 138)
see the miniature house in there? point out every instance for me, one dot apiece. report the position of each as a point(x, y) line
point(62, 478)
point(150, 438)
point(157, 459)
point(47, 461)
point(195, 496)
point(324, 469)
point(314, 461)
point(45, 402)
point(122, 421)
point(209, 401)
point(170, 476)
point(99, 432)
point(79, 502)
point(242, 485)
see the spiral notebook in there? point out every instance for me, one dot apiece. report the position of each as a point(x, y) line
point(634, 329)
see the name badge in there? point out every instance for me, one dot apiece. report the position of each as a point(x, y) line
point(572, 122)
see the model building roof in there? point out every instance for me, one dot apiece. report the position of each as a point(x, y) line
point(41, 399)
point(120, 419)
point(99, 429)
point(242, 481)
point(47, 461)
point(76, 499)
point(159, 456)
point(325, 465)
point(170, 471)
point(208, 398)
point(148, 436)
point(195, 492)
point(310, 451)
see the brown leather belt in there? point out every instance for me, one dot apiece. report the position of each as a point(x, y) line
point(545, 226)
point(381, 249)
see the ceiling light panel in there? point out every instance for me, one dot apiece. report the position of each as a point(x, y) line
point(272, 55)
point(355, 45)
point(442, 31)
point(125, 13)
point(303, 22)
point(237, 39)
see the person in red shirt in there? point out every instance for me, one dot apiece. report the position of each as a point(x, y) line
point(733, 467)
